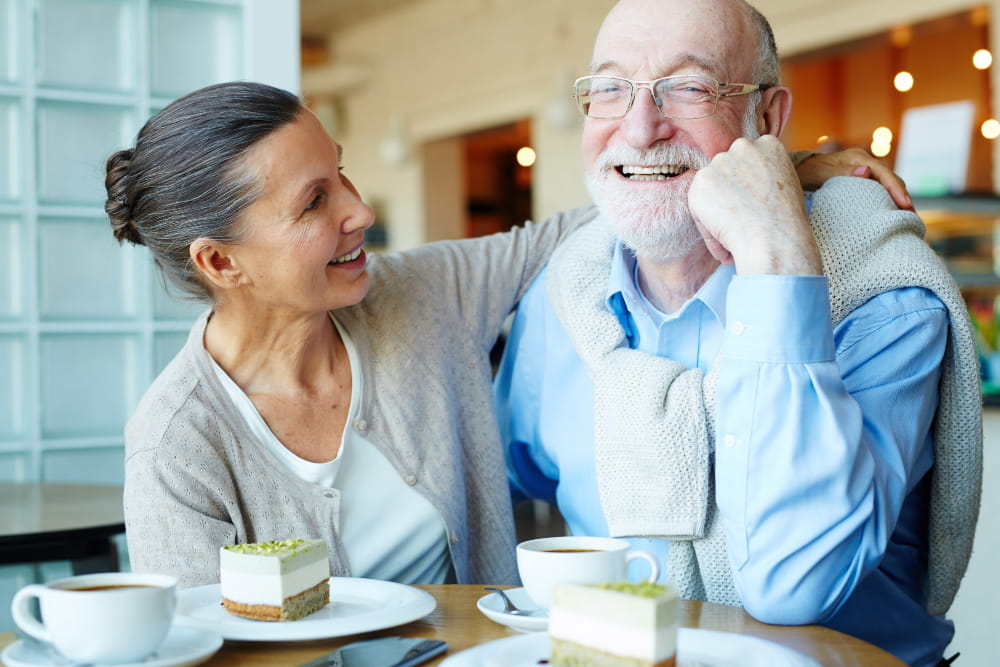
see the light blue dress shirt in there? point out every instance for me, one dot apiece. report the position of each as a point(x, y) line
point(823, 440)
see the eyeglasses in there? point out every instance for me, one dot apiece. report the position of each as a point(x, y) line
point(680, 97)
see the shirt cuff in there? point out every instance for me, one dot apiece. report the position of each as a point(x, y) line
point(779, 319)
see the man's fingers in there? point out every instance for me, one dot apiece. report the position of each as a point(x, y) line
point(717, 250)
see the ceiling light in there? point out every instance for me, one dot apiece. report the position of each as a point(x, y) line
point(990, 129)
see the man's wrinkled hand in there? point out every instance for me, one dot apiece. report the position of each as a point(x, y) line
point(749, 207)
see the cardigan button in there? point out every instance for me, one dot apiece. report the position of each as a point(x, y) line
point(411, 480)
point(360, 425)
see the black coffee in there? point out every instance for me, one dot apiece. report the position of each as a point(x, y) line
point(110, 587)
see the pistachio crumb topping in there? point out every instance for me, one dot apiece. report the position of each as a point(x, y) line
point(268, 548)
point(642, 589)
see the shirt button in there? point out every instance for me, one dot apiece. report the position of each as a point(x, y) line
point(729, 440)
point(411, 480)
point(738, 328)
point(360, 425)
point(454, 538)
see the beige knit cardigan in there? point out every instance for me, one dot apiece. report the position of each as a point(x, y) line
point(197, 478)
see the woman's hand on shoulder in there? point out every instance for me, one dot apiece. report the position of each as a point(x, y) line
point(817, 169)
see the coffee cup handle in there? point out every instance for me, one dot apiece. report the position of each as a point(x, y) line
point(22, 615)
point(654, 566)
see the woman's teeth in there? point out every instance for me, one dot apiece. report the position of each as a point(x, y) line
point(350, 257)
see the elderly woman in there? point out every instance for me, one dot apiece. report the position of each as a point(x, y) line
point(324, 394)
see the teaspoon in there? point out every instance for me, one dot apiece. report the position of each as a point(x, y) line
point(508, 606)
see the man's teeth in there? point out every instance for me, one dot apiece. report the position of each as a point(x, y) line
point(660, 173)
point(350, 257)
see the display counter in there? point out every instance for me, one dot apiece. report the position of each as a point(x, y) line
point(965, 232)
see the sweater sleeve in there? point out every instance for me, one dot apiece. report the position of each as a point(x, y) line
point(174, 515)
point(476, 281)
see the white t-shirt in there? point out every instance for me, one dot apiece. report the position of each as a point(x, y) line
point(389, 530)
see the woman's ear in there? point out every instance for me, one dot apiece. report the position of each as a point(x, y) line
point(776, 108)
point(216, 262)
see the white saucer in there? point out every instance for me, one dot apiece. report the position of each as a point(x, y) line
point(492, 606)
point(183, 647)
point(694, 646)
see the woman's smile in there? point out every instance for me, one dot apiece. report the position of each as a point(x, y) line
point(349, 257)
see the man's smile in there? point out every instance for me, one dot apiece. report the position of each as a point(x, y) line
point(657, 173)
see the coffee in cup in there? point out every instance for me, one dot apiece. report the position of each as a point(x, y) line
point(110, 618)
point(548, 561)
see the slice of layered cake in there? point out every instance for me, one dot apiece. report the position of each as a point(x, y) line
point(613, 625)
point(275, 581)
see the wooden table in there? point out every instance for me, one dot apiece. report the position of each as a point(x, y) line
point(41, 521)
point(457, 621)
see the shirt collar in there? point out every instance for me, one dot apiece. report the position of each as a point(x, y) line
point(625, 297)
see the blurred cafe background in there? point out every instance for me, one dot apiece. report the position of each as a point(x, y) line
point(457, 120)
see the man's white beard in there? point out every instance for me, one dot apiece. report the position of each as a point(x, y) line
point(655, 222)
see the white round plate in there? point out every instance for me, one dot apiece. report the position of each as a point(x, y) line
point(356, 605)
point(694, 647)
point(183, 647)
point(492, 606)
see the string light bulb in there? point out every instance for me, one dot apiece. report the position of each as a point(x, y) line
point(881, 141)
point(882, 135)
point(990, 128)
point(525, 156)
point(903, 81)
point(880, 150)
point(901, 36)
point(982, 59)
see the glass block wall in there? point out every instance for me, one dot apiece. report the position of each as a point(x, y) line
point(84, 326)
point(84, 323)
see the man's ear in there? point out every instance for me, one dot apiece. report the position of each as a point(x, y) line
point(216, 262)
point(775, 110)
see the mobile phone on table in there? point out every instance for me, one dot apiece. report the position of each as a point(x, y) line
point(381, 652)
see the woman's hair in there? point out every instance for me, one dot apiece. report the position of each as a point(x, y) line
point(185, 178)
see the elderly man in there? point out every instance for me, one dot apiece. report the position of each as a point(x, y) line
point(777, 393)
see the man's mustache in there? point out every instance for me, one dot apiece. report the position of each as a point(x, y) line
point(664, 154)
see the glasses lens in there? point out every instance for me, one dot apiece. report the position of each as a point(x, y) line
point(603, 96)
point(687, 96)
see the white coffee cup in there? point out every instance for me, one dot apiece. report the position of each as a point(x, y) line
point(110, 618)
point(548, 561)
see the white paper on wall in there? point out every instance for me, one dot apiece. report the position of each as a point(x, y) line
point(934, 143)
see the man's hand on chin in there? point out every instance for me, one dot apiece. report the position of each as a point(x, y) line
point(749, 207)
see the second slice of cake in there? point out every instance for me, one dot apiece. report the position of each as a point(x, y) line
point(613, 625)
point(275, 581)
